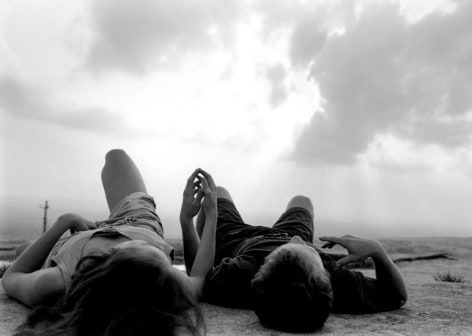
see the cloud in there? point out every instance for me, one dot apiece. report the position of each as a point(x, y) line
point(276, 75)
point(133, 35)
point(28, 101)
point(381, 75)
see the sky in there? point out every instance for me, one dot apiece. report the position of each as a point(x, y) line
point(363, 106)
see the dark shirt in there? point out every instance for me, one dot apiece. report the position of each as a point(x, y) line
point(229, 284)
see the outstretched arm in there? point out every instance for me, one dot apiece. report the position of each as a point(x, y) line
point(387, 273)
point(24, 280)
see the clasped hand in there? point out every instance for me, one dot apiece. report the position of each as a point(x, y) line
point(199, 192)
point(75, 223)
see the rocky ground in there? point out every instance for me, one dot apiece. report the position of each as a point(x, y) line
point(434, 307)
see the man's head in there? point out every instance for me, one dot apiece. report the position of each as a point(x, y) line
point(292, 289)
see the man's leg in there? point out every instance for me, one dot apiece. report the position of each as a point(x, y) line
point(301, 202)
point(221, 192)
point(120, 177)
point(297, 220)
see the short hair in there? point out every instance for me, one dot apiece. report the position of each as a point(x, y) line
point(290, 294)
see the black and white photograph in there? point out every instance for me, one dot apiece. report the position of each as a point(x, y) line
point(235, 167)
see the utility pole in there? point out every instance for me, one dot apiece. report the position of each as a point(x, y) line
point(45, 218)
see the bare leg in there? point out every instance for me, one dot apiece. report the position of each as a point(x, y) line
point(221, 193)
point(120, 177)
point(302, 202)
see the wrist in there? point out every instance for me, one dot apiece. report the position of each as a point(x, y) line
point(211, 212)
point(378, 252)
point(63, 223)
point(186, 219)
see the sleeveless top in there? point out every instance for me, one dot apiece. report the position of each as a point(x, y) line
point(69, 250)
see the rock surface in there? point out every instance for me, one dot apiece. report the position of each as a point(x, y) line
point(433, 308)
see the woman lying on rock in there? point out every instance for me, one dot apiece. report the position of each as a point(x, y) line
point(116, 277)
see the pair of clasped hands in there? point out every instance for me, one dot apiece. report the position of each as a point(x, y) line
point(200, 191)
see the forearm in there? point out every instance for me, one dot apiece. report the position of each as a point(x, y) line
point(190, 242)
point(205, 256)
point(200, 222)
point(389, 276)
point(33, 258)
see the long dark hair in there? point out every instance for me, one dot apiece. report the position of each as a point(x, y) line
point(119, 294)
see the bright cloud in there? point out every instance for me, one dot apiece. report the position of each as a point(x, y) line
point(133, 35)
point(364, 106)
point(28, 101)
point(383, 75)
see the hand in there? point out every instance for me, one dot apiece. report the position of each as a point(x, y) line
point(75, 223)
point(192, 197)
point(359, 248)
point(209, 203)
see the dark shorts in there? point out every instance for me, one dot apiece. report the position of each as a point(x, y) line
point(232, 230)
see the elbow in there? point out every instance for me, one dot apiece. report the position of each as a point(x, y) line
point(401, 300)
point(6, 284)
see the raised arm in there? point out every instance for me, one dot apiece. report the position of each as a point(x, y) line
point(191, 204)
point(387, 273)
point(204, 259)
point(24, 280)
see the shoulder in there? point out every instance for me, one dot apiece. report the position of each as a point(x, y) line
point(36, 287)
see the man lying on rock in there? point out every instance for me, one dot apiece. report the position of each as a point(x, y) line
point(289, 283)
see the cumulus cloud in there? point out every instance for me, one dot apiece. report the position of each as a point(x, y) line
point(29, 101)
point(385, 75)
point(131, 35)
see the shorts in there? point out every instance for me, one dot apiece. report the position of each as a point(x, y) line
point(232, 230)
point(136, 209)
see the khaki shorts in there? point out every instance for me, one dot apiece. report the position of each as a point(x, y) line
point(136, 209)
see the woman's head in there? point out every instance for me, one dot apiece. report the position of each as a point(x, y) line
point(132, 291)
point(292, 290)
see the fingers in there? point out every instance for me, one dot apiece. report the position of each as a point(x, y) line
point(328, 245)
point(332, 240)
point(199, 195)
point(206, 187)
point(199, 184)
point(91, 225)
point(209, 178)
point(347, 260)
point(191, 179)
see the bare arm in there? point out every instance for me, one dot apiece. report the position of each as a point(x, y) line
point(387, 273)
point(191, 204)
point(24, 280)
point(205, 256)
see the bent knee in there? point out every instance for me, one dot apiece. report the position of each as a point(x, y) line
point(302, 202)
point(115, 154)
point(222, 192)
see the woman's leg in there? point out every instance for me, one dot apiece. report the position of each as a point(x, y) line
point(120, 177)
